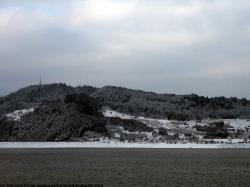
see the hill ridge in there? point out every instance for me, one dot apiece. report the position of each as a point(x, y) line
point(136, 102)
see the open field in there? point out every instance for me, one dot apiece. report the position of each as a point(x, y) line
point(126, 167)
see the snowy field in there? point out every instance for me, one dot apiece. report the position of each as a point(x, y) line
point(116, 145)
point(170, 125)
point(182, 128)
point(17, 114)
point(238, 124)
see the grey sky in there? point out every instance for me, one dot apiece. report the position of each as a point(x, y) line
point(174, 46)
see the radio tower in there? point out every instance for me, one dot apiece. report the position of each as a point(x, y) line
point(40, 83)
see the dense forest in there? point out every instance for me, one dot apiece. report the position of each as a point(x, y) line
point(65, 113)
point(136, 102)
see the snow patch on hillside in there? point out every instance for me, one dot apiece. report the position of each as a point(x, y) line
point(238, 124)
point(17, 114)
point(186, 131)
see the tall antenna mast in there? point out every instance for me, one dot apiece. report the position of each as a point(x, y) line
point(40, 83)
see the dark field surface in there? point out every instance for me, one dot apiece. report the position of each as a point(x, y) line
point(126, 167)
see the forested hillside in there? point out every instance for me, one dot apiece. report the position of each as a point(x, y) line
point(136, 102)
point(56, 121)
point(170, 106)
point(58, 112)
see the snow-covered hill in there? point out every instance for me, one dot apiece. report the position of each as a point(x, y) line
point(183, 131)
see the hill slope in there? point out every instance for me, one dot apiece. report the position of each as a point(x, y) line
point(180, 107)
point(58, 112)
point(136, 102)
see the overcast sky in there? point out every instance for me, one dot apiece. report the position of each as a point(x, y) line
point(170, 46)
